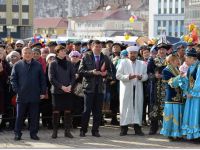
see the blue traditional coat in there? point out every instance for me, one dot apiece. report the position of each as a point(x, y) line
point(173, 105)
point(191, 85)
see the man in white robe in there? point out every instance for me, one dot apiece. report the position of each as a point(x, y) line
point(131, 73)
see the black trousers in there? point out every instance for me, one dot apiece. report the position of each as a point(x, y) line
point(33, 113)
point(92, 103)
point(114, 103)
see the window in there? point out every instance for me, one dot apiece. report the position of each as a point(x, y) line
point(182, 10)
point(176, 10)
point(25, 8)
point(159, 23)
point(164, 23)
point(2, 14)
point(170, 10)
point(2, 21)
point(176, 34)
point(15, 21)
point(15, 2)
point(24, 15)
point(15, 8)
point(2, 2)
point(159, 11)
point(176, 26)
point(170, 26)
point(158, 33)
point(25, 2)
point(165, 10)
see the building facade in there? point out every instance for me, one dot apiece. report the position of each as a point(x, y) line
point(192, 12)
point(166, 16)
point(50, 26)
point(107, 24)
point(16, 18)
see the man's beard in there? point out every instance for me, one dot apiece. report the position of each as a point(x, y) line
point(132, 58)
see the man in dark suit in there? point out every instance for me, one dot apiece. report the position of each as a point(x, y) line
point(94, 67)
point(28, 81)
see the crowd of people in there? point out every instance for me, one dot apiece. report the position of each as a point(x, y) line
point(63, 84)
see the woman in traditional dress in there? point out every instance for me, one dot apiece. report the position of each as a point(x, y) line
point(173, 106)
point(191, 87)
point(156, 87)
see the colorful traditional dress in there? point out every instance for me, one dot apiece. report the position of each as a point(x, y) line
point(156, 87)
point(173, 105)
point(191, 116)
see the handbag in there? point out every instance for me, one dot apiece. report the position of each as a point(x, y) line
point(78, 90)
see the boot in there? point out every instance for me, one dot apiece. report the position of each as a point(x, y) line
point(114, 120)
point(138, 130)
point(124, 130)
point(153, 127)
point(68, 124)
point(55, 122)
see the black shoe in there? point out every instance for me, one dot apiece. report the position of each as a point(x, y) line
point(68, 134)
point(96, 134)
point(140, 133)
point(152, 132)
point(35, 137)
point(122, 133)
point(115, 122)
point(82, 134)
point(17, 138)
point(55, 134)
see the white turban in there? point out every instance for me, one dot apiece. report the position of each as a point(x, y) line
point(132, 49)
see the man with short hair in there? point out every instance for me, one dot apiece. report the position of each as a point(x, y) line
point(77, 46)
point(51, 45)
point(93, 67)
point(28, 81)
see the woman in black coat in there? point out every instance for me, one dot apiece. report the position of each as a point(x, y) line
point(61, 76)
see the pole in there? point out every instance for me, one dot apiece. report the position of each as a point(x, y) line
point(69, 28)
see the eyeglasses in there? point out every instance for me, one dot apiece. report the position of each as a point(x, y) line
point(13, 57)
point(75, 56)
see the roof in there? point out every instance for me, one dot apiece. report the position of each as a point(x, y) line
point(50, 23)
point(117, 14)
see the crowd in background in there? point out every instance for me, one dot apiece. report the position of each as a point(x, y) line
point(78, 78)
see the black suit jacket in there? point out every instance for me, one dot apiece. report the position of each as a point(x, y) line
point(89, 80)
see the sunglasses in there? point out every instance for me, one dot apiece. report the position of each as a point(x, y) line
point(75, 56)
point(14, 57)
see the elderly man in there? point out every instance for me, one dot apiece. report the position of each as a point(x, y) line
point(131, 73)
point(28, 81)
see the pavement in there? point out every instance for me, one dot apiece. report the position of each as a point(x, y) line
point(109, 139)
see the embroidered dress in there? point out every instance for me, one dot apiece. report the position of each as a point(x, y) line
point(173, 105)
point(156, 88)
point(191, 116)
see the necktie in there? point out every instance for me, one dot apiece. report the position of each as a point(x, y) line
point(97, 60)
